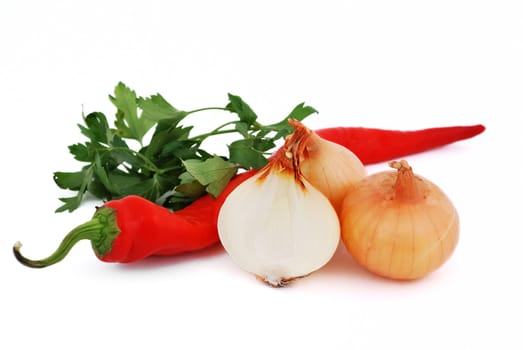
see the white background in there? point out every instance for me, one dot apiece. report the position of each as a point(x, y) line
point(390, 64)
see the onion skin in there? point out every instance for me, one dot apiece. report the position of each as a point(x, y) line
point(399, 225)
point(331, 168)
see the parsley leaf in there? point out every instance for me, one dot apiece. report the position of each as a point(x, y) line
point(172, 169)
point(245, 153)
point(214, 173)
point(299, 113)
point(128, 123)
point(242, 109)
point(156, 108)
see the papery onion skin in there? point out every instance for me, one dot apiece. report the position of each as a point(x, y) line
point(331, 168)
point(399, 225)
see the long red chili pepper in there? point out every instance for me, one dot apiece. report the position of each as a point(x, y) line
point(379, 145)
point(132, 228)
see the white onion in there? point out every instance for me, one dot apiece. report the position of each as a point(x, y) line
point(277, 226)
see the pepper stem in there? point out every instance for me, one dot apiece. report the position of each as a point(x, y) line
point(100, 230)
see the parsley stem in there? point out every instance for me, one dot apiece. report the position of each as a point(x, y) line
point(147, 162)
point(217, 131)
point(162, 171)
point(207, 109)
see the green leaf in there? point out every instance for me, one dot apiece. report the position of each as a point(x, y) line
point(168, 140)
point(181, 149)
point(117, 141)
point(121, 156)
point(101, 174)
point(243, 129)
point(177, 201)
point(192, 189)
point(78, 182)
point(209, 170)
point(301, 112)
point(69, 180)
point(283, 128)
point(214, 173)
point(189, 186)
point(156, 108)
point(242, 109)
point(262, 145)
point(98, 189)
point(151, 188)
point(128, 124)
point(80, 152)
point(246, 155)
point(98, 128)
point(70, 203)
point(216, 187)
point(124, 180)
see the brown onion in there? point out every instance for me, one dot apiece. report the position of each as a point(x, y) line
point(399, 225)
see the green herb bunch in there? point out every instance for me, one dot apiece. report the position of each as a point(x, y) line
point(173, 169)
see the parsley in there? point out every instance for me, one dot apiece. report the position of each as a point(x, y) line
point(172, 169)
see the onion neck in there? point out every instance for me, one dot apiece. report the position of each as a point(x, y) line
point(407, 187)
point(287, 158)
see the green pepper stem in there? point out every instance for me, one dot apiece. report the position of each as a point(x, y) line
point(100, 230)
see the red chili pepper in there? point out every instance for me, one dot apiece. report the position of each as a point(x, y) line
point(132, 228)
point(379, 145)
